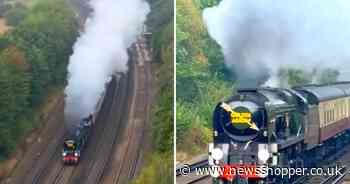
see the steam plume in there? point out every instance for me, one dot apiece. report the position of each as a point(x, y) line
point(259, 37)
point(100, 51)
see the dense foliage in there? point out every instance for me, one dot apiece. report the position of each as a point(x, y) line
point(327, 76)
point(15, 14)
point(201, 77)
point(159, 166)
point(294, 77)
point(33, 58)
point(290, 77)
point(4, 7)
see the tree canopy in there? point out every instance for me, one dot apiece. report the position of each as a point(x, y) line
point(33, 57)
point(202, 79)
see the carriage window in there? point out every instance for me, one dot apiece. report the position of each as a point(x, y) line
point(338, 111)
point(341, 110)
point(344, 108)
point(335, 111)
point(333, 115)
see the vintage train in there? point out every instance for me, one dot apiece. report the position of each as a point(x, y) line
point(78, 135)
point(74, 144)
point(278, 127)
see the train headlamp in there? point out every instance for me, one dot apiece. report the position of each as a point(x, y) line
point(263, 153)
point(76, 154)
point(217, 154)
point(64, 154)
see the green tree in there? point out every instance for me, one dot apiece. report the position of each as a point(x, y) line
point(327, 76)
point(33, 58)
point(160, 161)
point(202, 79)
point(207, 3)
point(294, 76)
point(14, 95)
point(16, 14)
point(46, 36)
point(4, 7)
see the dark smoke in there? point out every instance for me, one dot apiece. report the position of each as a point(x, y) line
point(260, 37)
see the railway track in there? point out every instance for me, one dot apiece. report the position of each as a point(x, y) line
point(343, 156)
point(336, 179)
point(93, 173)
point(339, 159)
point(203, 179)
point(332, 179)
point(113, 154)
point(37, 154)
point(54, 171)
point(192, 167)
point(128, 155)
point(192, 177)
point(98, 149)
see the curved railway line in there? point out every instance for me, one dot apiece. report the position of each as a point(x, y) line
point(341, 158)
point(124, 165)
point(203, 179)
point(192, 177)
point(114, 151)
point(336, 179)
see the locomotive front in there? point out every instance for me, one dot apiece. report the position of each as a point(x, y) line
point(70, 152)
point(248, 126)
point(240, 121)
point(73, 146)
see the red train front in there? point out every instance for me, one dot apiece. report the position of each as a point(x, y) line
point(70, 153)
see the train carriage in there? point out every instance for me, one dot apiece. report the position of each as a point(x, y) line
point(281, 127)
point(327, 112)
point(75, 143)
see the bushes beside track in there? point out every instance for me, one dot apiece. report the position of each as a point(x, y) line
point(201, 78)
point(33, 58)
point(159, 162)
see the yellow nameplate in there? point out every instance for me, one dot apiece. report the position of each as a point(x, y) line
point(241, 117)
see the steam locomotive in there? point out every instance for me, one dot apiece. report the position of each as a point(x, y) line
point(279, 127)
point(74, 144)
point(76, 141)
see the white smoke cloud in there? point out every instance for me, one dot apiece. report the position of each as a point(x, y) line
point(259, 37)
point(101, 50)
